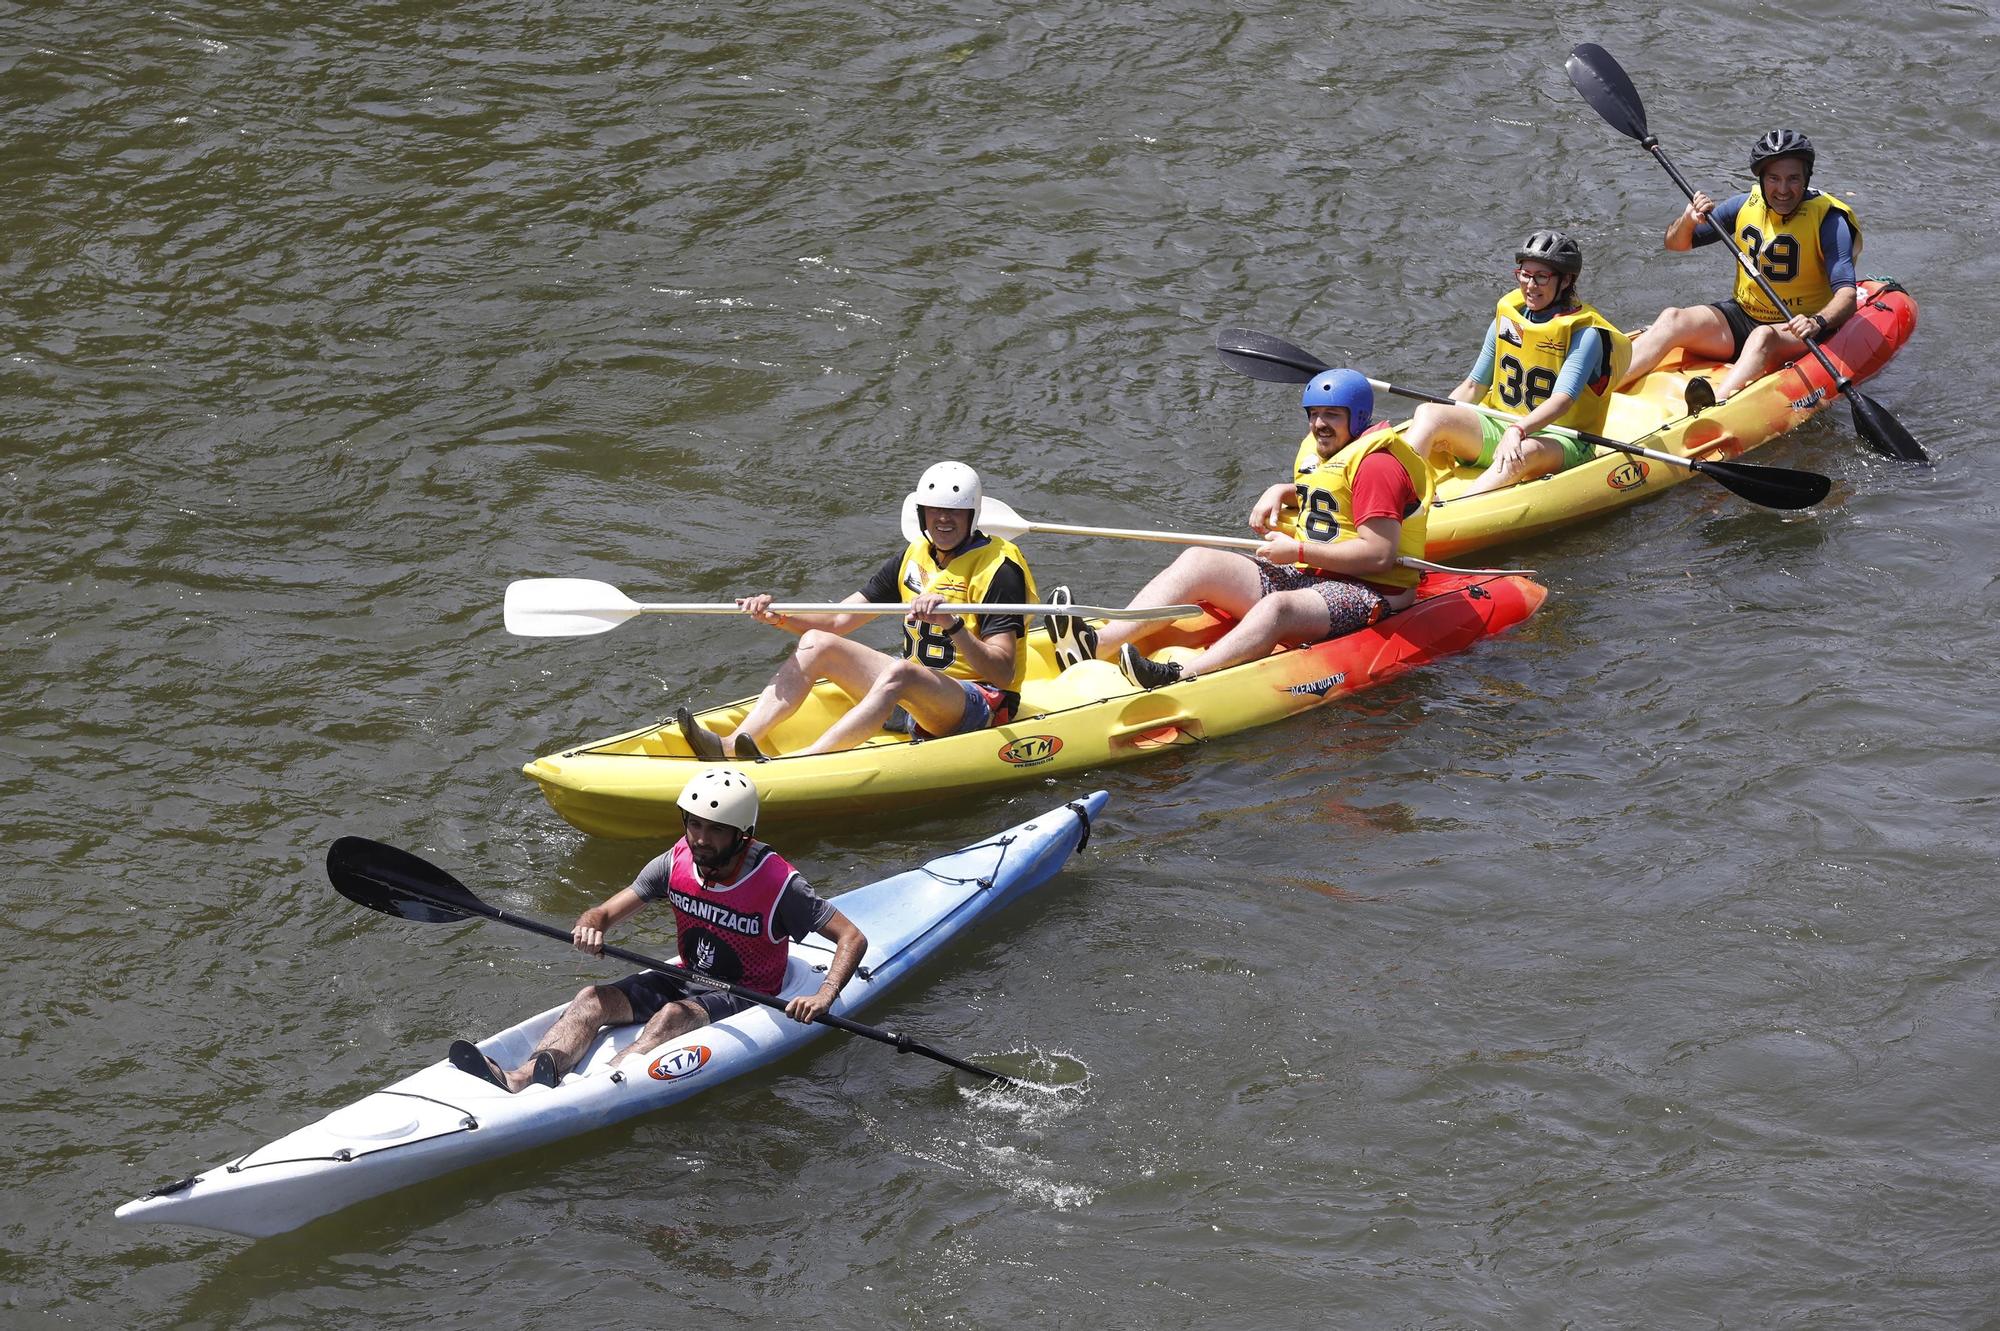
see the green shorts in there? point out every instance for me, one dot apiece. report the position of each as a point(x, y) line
point(1575, 451)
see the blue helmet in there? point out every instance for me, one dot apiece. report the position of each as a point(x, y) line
point(1342, 388)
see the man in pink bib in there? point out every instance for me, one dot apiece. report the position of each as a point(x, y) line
point(737, 906)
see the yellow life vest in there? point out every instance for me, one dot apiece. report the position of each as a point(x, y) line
point(1307, 458)
point(1528, 356)
point(1326, 499)
point(963, 578)
point(1303, 462)
point(1787, 251)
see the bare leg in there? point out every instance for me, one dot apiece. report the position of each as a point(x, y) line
point(787, 691)
point(878, 683)
point(1448, 431)
point(1537, 456)
point(1768, 348)
point(1438, 429)
point(1700, 329)
point(1222, 578)
point(1299, 616)
point(676, 1018)
point(594, 1007)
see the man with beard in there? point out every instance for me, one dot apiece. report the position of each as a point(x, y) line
point(1363, 497)
point(737, 905)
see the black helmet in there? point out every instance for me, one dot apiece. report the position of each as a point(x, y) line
point(1781, 143)
point(1554, 249)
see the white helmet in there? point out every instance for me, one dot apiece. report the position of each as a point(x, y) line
point(945, 485)
point(721, 795)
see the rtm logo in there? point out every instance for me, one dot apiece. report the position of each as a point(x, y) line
point(1031, 750)
point(678, 1063)
point(1628, 476)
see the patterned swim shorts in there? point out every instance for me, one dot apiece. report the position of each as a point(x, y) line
point(1349, 605)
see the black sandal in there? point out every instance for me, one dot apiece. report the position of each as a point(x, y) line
point(707, 745)
point(545, 1070)
point(465, 1056)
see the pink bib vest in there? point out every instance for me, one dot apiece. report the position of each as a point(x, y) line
point(729, 932)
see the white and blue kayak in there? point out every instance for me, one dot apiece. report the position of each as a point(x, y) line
point(439, 1119)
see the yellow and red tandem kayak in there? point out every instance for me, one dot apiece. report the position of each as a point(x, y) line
point(1078, 718)
point(1653, 413)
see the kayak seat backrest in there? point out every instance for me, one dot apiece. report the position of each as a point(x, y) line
point(1084, 682)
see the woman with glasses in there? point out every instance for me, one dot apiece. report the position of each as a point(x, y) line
point(1549, 359)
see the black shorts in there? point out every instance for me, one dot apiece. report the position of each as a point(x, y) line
point(1741, 325)
point(649, 991)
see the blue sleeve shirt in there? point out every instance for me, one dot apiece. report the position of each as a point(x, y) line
point(1721, 221)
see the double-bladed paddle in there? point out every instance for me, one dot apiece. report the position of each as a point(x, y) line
point(396, 882)
point(1604, 84)
point(1261, 356)
point(576, 607)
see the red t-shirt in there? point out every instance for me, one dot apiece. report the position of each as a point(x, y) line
point(1382, 489)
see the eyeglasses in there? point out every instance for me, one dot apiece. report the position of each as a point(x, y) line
point(1530, 275)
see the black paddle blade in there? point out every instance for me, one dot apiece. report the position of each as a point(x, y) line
point(1603, 83)
point(1261, 356)
point(396, 882)
point(1883, 432)
point(1773, 487)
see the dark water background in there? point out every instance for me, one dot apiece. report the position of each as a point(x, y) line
point(1637, 969)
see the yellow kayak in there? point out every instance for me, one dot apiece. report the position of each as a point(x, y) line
point(1653, 413)
point(1081, 717)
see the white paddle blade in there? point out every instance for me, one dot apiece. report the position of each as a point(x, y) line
point(565, 607)
point(997, 518)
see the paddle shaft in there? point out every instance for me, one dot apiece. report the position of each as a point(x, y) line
point(1772, 486)
point(903, 608)
point(1602, 441)
point(1229, 543)
point(695, 978)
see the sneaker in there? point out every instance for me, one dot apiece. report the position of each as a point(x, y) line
point(1074, 639)
point(1144, 671)
point(747, 750)
point(707, 745)
point(1700, 396)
